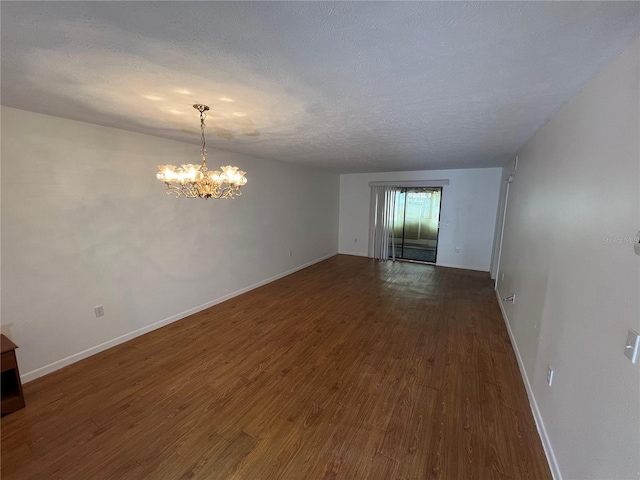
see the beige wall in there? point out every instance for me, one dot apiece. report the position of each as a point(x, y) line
point(577, 293)
point(95, 228)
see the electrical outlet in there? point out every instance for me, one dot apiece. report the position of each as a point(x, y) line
point(99, 310)
point(510, 298)
point(457, 249)
point(550, 376)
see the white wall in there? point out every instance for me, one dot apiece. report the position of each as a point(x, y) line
point(467, 215)
point(95, 227)
point(577, 184)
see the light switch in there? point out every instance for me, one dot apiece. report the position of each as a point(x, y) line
point(632, 346)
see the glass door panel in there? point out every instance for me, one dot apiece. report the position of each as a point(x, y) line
point(417, 217)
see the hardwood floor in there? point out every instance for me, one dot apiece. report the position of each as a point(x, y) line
point(349, 369)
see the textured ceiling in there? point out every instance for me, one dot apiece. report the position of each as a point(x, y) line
point(347, 86)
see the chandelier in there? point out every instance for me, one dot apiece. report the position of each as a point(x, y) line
point(197, 181)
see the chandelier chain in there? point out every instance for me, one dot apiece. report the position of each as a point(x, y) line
point(203, 150)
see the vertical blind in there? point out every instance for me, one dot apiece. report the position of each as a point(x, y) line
point(383, 199)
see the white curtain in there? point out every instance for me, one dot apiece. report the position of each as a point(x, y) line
point(383, 202)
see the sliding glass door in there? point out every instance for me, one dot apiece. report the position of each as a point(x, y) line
point(416, 224)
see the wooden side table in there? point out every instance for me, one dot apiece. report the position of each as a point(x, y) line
point(11, 388)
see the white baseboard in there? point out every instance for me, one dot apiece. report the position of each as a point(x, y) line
point(460, 267)
point(542, 431)
point(39, 372)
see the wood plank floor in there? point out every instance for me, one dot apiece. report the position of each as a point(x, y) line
point(349, 369)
